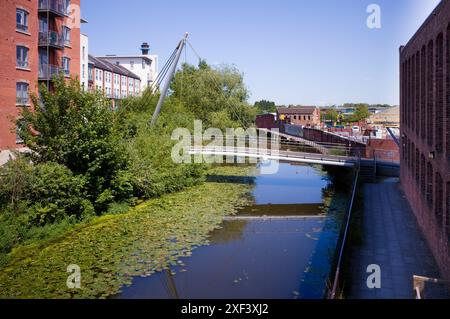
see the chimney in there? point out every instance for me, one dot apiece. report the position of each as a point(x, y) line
point(145, 48)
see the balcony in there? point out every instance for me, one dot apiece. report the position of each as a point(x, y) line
point(48, 71)
point(55, 7)
point(22, 100)
point(22, 64)
point(51, 39)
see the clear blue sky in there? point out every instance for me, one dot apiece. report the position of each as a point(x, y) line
point(317, 52)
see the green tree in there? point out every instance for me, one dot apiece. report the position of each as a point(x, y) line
point(332, 115)
point(78, 130)
point(361, 113)
point(204, 90)
point(265, 106)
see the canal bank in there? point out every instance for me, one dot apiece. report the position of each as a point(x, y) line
point(112, 249)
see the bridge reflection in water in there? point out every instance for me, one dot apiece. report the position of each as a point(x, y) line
point(258, 253)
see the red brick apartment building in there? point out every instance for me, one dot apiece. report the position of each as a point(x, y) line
point(307, 116)
point(39, 38)
point(425, 129)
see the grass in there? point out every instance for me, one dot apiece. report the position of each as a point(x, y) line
point(111, 249)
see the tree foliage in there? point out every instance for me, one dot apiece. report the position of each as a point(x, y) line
point(361, 113)
point(78, 130)
point(265, 106)
point(206, 91)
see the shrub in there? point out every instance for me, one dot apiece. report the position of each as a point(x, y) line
point(78, 130)
point(45, 192)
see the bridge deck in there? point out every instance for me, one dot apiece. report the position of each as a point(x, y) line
point(268, 154)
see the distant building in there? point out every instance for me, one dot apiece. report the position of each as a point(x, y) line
point(267, 121)
point(114, 81)
point(390, 116)
point(425, 130)
point(306, 116)
point(145, 65)
point(84, 61)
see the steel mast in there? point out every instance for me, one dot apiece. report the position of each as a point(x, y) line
point(166, 86)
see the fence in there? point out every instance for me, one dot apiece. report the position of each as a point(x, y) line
point(336, 275)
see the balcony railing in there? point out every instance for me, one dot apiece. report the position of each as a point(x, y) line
point(22, 27)
point(22, 64)
point(51, 38)
point(22, 100)
point(53, 6)
point(48, 71)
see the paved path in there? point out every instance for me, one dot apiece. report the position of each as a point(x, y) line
point(392, 240)
point(5, 155)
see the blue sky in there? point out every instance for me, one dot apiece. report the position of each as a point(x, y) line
point(311, 52)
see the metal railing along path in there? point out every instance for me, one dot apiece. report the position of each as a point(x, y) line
point(332, 293)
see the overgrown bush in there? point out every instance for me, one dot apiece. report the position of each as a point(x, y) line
point(49, 192)
point(78, 130)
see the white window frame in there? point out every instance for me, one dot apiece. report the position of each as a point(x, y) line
point(24, 54)
point(22, 93)
point(23, 24)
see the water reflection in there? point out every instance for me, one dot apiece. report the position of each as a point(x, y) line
point(257, 258)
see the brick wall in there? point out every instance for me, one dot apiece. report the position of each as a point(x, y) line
point(425, 128)
point(10, 74)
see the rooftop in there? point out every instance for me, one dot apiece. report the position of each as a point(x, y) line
point(297, 110)
point(103, 64)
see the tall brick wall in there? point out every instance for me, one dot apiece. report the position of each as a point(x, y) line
point(10, 74)
point(425, 129)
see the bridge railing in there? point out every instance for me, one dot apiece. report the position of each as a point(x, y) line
point(335, 278)
point(305, 145)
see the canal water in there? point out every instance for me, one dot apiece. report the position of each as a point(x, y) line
point(282, 247)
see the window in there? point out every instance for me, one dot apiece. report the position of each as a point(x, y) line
point(22, 57)
point(430, 184)
point(131, 65)
point(447, 220)
point(422, 175)
point(439, 203)
point(83, 76)
point(66, 35)
point(21, 20)
point(440, 94)
point(19, 125)
point(430, 94)
point(422, 93)
point(417, 167)
point(66, 65)
point(84, 52)
point(22, 97)
point(67, 6)
point(90, 73)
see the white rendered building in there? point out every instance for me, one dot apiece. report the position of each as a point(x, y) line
point(145, 66)
point(84, 61)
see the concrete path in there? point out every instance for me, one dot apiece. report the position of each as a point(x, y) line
point(5, 155)
point(392, 240)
